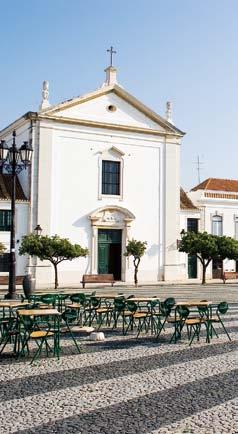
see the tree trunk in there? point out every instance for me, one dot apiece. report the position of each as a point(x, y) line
point(203, 273)
point(136, 265)
point(135, 276)
point(56, 275)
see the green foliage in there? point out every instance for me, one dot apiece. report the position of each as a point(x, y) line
point(136, 249)
point(201, 244)
point(53, 249)
point(207, 247)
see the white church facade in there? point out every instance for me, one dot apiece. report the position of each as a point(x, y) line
point(105, 169)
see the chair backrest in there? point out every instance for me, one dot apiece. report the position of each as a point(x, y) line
point(164, 309)
point(169, 302)
point(222, 307)
point(131, 305)
point(202, 309)
point(69, 315)
point(95, 302)
point(48, 299)
point(119, 304)
point(183, 311)
point(153, 304)
point(78, 298)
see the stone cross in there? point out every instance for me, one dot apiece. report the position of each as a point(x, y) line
point(111, 51)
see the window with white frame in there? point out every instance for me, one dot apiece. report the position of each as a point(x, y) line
point(217, 225)
point(111, 164)
point(236, 227)
point(111, 177)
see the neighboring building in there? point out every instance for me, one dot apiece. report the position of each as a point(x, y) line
point(189, 221)
point(105, 168)
point(217, 200)
point(22, 213)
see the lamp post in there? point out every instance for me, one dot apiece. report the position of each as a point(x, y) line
point(38, 230)
point(14, 160)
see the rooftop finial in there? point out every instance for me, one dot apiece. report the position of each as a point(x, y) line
point(168, 113)
point(111, 51)
point(111, 71)
point(45, 96)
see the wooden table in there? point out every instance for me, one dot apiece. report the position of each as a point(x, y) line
point(108, 296)
point(194, 303)
point(13, 303)
point(38, 312)
point(142, 299)
point(197, 303)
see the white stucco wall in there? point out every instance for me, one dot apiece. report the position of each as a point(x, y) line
point(71, 192)
point(21, 229)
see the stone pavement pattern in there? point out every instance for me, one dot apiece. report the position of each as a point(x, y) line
point(126, 385)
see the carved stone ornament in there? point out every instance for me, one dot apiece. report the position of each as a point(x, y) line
point(111, 216)
point(45, 96)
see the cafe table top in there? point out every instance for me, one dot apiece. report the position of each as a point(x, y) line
point(142, 299)
point(13, 303)
point(108, 296)
point(38, 312)
point(193, 303)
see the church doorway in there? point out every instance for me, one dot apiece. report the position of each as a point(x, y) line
point(109, 252)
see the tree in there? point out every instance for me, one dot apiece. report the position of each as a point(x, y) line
point(207, 247)
point(136, 249)
point(53, 249)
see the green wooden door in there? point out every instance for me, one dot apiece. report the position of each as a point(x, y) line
point(109, 252)
point(192, 267)
point(103, 258)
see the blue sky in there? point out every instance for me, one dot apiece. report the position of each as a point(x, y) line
point(185, 51)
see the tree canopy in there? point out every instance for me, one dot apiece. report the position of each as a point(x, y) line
point(51, 248)
point(207, 247)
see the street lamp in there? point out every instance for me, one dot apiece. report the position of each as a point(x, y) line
point(14, 160)
point(38, 229)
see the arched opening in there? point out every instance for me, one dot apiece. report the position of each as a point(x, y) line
point(110, 232)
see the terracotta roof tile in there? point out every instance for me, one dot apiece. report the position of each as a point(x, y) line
point(185, 202)
point(5, 188)
point(218, 184)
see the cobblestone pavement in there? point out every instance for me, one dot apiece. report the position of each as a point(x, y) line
point(126, 385)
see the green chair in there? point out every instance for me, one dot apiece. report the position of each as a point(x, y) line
point(222, 309)
point(70, 318)
point(135, 318)
point(80, 302)
point(178, 321)
point(99, 312)
point(39, 329)
point(118, 311)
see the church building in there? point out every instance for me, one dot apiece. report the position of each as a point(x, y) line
point(105, 169)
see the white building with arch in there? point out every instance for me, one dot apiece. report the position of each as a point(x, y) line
point(105, 169)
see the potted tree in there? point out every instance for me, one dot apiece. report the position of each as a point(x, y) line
point(136, 249)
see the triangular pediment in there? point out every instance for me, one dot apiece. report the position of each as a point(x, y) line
point(111, 105)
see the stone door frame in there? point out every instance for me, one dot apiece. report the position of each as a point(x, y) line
point(110, 217)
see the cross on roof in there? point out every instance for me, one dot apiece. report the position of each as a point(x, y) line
point(111, 51)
